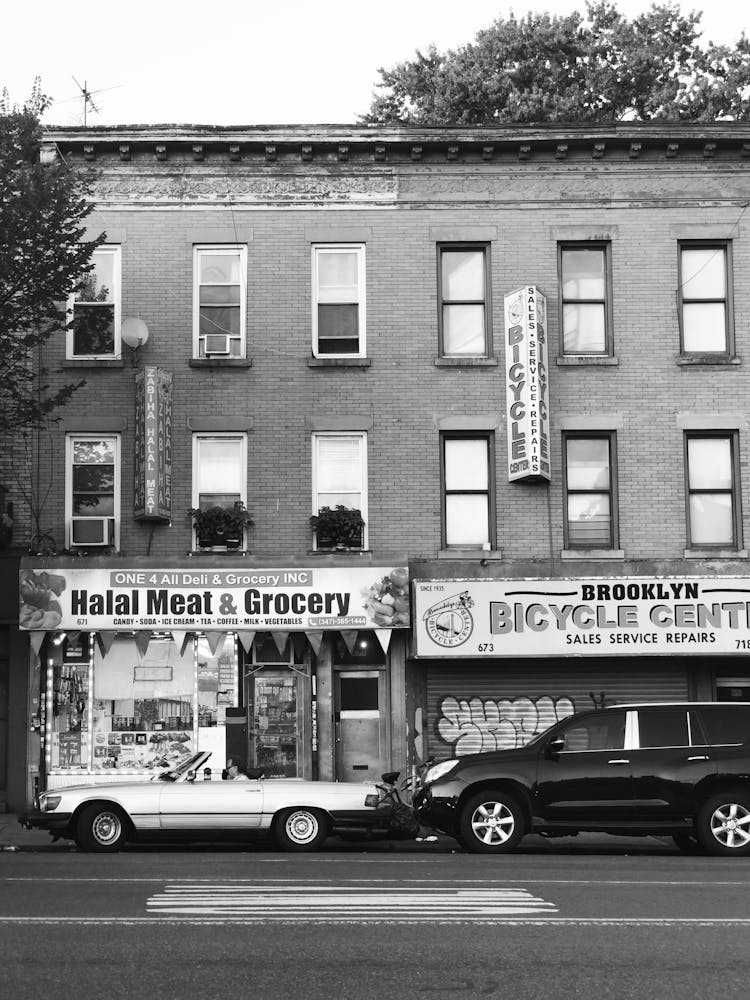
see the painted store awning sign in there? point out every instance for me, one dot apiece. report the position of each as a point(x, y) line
point(293, 599)
point(634, 616)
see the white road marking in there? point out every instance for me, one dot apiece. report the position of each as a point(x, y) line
point(109, 921)
point(264, 902)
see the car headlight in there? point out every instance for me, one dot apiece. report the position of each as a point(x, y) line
point(438, 770)
point(47, 803)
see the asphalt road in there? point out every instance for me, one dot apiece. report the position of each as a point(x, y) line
point(541, 923)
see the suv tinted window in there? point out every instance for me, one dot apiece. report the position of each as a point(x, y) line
point(599, 732)
point(726, 723)
point(663, 727)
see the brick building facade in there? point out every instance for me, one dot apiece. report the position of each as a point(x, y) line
point(335, 315)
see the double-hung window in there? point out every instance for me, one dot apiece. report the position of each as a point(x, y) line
point(463, 300)
point(219, 301)
point(219, 483)
point(713, 493)
point(339, 474)
point(586, 307)
point(468, 491)
point(704, 297)
point(92, 490)
point(338, 316)
point(94, 309)
point(590, 502)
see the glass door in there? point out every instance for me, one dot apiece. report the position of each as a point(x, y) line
point(274, 714)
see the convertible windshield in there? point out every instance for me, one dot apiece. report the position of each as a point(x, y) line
point(187, 765)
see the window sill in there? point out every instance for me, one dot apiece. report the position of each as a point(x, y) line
point(715, 554)
point(220, 363)
point(581, 360)
point(580, 555)
point(339, 362)
point(685, 360)
point(93, 363)
point(243, 553)
point(442, 362)
point(486, 555)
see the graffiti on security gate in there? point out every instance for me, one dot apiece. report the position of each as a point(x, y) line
point(475, 725)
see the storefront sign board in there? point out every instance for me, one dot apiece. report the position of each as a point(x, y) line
point(292, 599)
point(153, 444)
point(635, 616)
point(527, 384)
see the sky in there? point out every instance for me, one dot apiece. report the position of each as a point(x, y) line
point(243, 62)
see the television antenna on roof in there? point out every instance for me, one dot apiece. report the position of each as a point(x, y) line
point(87, 98)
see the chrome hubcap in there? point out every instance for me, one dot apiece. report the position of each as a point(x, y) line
point(106, 828)
point(492, 823)
point(302, 827)
point(730, 825)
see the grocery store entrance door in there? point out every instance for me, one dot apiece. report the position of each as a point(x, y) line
point(360, 725)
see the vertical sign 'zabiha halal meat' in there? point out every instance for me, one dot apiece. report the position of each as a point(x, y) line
point(153, 444)
point(527, 383)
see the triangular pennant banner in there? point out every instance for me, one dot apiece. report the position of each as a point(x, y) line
point(36, 639)
point(384, 637)
point(350, 638)
point(246, 638)
point(142, 639)
point(215, 639)
point(298, 642)
point(315, 638)
point(281, 639)
point(105, 640)
point(181, 639)
point(73, 637)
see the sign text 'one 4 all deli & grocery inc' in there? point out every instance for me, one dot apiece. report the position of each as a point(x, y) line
point(597, 617)
point(145, 598)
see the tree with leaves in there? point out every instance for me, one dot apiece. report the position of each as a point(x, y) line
point(43, 259)
point(562, 69)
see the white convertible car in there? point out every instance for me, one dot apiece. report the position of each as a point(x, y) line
point(298, 814)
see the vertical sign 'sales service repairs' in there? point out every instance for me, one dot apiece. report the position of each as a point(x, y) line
point(527, 384)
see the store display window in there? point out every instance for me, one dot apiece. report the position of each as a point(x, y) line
point(130, 711)
point(68, 703)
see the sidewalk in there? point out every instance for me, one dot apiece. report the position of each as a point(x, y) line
point(13, 837)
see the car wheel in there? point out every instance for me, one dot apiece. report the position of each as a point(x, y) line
point(491, 823)
point(724, 823)
point(300, 829)
point(100, 828)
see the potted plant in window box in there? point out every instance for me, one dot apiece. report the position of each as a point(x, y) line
point(221, 526)
point(338, 527)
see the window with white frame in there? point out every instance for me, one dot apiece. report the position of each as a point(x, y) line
point(94, 309)
point(219, 486)
point(589, 491)
point(219, 301)
point(468, 491)
point(585, 294)
point(713, 492)
point(338, 300)
point(464, 309)
point(92, 491)
point(704, 298)
point(339, 467)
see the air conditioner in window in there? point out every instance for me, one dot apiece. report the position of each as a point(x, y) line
point(92, 531)
point(216, 343)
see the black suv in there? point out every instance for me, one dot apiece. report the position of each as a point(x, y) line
point(680, 769)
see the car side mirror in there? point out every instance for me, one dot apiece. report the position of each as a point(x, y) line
point(190, 776)
point(555, 746)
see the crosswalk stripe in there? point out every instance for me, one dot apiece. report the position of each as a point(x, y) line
point(342, 903)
